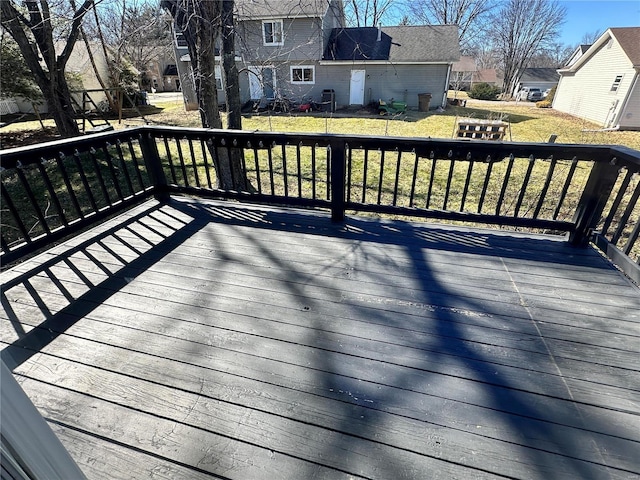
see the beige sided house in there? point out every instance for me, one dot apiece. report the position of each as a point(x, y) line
point(602, 84)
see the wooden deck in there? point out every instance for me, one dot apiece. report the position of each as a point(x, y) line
point(208, 340)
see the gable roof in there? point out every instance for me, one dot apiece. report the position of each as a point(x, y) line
point(539, 75)
point(403, 44)
point(465, 64)
point(363, 43)
point(629, 40)
point(424, 43)
point(627, 37)
point(265, 9)
point(486, 75)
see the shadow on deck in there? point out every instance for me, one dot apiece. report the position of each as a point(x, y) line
point(203, 339)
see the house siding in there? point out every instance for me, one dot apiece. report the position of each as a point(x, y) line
point(630, 117)
point(303, 40)
point(587, 92)
point(400, 82)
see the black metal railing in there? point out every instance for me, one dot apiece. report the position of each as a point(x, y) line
point(589, 191)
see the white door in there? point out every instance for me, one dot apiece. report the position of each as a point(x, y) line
point(262, 82)
point(356, 91)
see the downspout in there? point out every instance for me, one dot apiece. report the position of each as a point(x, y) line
point(446, 86)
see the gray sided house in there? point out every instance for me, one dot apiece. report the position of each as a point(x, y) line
point(602, 83)
point(369, 64)
point(280, 44)
point(542, 78)
point(300, 49)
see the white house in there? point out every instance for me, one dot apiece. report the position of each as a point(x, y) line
point(602, 84)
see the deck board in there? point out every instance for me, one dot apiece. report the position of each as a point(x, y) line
point(214, 339)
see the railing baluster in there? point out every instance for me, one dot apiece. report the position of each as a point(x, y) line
point(170, 160)
point(114, 175)
point(285, 173)
point(616, 202)
point(183, 167)
point(193, 163)
point(257, 163)
point(83, 179)
point(416, 160)
point(349, 169)
point(365, 168)
point(467, 181)
point(14, 212)
point(205, 162)
point(448, 188)
point(125, 169)
point(32, 199)
point(381, 177)
point(397, 181)
point(134, 159)
point(329, 173)
point(103, 186)
point(52, 193)
point(565, 187)
point(299, 164)
point(313, 171)
point(485, 185)
point(431, 178)
point(633, 237)
point(505, 182)
point(271, 180)
point(525, 182)
point(625, 216)
point(545, 188)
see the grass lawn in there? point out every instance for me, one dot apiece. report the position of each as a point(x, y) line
point(527, 123)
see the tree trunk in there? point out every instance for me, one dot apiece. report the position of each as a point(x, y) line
point(60, 105)
point(51, 81)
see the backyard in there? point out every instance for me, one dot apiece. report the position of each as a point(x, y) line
point(527, 123)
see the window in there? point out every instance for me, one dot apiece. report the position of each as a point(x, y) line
point(272, 32)
point(303, 74)
point(616, 83)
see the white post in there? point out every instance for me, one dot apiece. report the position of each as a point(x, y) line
point(28, 441)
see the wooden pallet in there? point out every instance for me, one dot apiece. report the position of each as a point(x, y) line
point(478, 129)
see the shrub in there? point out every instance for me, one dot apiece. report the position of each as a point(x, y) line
point(484, 91)
point(543, 104)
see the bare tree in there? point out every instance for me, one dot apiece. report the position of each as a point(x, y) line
point(201, 23)
point(33, 30)
point(368, 13)
point(521, 29)
point(590, 37)
point(469, 15)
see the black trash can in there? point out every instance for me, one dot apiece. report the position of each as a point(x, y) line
point(329, 99)
point(424, 99)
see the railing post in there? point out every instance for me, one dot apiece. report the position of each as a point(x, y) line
point(338, 189)
point(593, 200)
point(154, 166)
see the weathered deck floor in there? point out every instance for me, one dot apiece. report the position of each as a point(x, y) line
point(196, 340)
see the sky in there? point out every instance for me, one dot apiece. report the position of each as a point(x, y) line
point(588, 16)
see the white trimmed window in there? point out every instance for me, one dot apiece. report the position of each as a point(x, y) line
point(272, 32)
point(303, 74)
point(616, 83)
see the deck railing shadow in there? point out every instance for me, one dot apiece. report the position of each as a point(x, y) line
point(97, 275)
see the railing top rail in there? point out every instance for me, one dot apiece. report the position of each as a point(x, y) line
point(477, 150)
